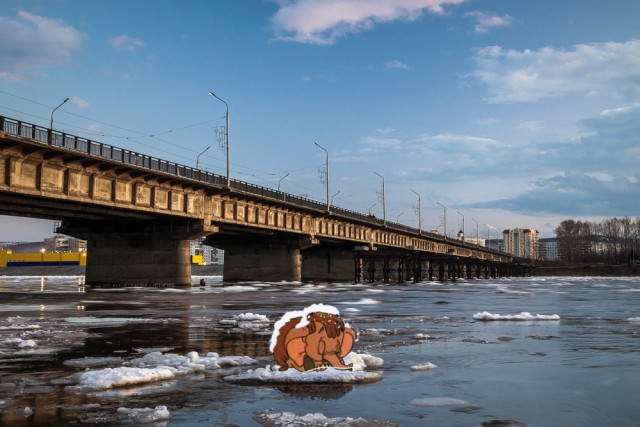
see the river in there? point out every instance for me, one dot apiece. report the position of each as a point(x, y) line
point(540, 351)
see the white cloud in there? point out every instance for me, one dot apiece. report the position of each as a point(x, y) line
point(486, 21)
point(373, 145)
point(80, 103)
point(32, 41)
point(385, 130)
point(125, 42)
point(322, 22)
point(397, 64)
point(530, 75)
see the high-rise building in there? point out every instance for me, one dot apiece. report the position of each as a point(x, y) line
point(521, 242)
point(548, 249)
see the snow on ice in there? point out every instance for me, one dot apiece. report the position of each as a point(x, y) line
point(156, 366)
point(424, 367)
point(146, 415)
point(485, 315)
point(272, 374)
point(317, 419)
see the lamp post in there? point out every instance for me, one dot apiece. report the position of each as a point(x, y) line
point(227, 136)
point(398, 217)
point(280, 180)
point(488, 237)
point(198, 158)
point(384, 203)
point(463, 232)
point(473, 219)
point(419, 213)
point(372, 206)
point(327, 167)
point(337, 192)
point(54, 110)
point(445, 217)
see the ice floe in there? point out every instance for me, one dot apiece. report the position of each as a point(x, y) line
point(438, 401)
point(156, 366)
point(146, 415)
point(424, 367)
point(290, 419)
point(485, 315)
point(273, 375)
point(89, 320)
point(634, 319)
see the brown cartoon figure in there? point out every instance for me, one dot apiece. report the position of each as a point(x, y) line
point(312, 339)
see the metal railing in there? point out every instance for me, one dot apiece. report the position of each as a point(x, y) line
point(78, 144)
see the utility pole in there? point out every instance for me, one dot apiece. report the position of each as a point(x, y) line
point(327, 174)
point(384, 203)
point(419, 213)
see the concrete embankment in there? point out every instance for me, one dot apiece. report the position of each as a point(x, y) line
point(74, 270)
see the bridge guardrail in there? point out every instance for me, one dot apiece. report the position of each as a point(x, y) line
point(98, 149)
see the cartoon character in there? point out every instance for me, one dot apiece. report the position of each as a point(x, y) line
point(314, 338)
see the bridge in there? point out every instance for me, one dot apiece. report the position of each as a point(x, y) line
point(138, 214)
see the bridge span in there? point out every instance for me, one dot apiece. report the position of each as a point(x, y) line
point(138, 214)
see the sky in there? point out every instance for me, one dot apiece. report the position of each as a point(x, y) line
point(504, 114)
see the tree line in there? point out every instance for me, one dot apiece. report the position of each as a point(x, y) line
point(612, 241)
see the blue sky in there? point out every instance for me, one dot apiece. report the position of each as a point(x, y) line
point(513, 113)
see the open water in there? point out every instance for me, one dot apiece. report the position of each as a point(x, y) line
point(580, 370)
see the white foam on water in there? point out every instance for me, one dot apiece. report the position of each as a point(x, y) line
point(424, 367)
point(146, 415)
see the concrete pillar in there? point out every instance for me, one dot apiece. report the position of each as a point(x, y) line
point(260, 261)
point(329, 264)
point(143, 260)
point(130, 253)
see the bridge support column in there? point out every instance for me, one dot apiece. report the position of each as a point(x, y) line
point(329, 264)
point(264, 261)
point(136, 254)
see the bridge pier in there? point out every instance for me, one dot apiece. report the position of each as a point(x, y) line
point(136, 254)
point(328, 264)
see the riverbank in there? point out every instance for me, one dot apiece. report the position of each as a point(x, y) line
point(76, 270)
point(589, 270)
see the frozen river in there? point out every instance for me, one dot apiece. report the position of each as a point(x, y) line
point(510, 352)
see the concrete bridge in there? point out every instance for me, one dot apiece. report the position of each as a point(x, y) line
point(138, 214)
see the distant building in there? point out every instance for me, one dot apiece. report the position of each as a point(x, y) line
point(521, 242)
point(59, 243)
point(210, 256)
point(476, 241)
point(548, 249)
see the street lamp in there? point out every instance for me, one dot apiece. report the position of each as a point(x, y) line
point(462, 224)
point(445, 217)
point(334, 196)
point(372, 206)
point(398, 218)
point(327, 167)
point(279, 181)
point(198, 158)
point(473, 219)
point(384, 203)
point(227, 135)
point(419, 213)
point(54, 110)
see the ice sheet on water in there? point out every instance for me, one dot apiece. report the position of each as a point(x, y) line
point(363, 301)
point(634, 319)
point(146, 415)
point(157, 366)
point(485, 315)
point(273, 375)
point(90, 320)
point(272, 418)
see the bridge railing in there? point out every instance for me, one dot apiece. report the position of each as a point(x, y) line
point(98, 149)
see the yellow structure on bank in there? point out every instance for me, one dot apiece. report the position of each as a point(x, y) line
point(9, 259)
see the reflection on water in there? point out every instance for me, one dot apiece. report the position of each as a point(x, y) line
point(582, 368)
